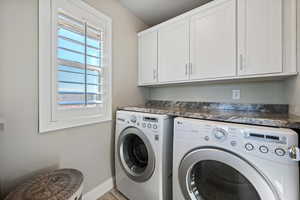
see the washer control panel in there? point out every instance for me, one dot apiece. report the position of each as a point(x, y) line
point(150, 123)
point(141, 121)
point(268, 143)
point(276, 144)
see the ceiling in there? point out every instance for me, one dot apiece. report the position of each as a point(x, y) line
point(153, 12)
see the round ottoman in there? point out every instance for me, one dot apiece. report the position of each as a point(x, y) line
point(63, 184)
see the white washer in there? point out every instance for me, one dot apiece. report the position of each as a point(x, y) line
point(143, 155)
point(224, 161)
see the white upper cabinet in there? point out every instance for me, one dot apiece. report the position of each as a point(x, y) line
point(222, 40)
point(148, 58)
point(260, 36)
point(213, 41)
point(173, 52)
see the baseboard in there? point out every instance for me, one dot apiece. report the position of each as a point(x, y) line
point(100, 190)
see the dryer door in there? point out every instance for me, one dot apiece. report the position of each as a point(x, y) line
point(216, 174)
point(136, 154)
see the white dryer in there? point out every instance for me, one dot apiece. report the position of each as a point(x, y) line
point(143, 155)
point(224, 161)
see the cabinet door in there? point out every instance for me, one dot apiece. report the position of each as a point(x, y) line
point(260, 36)
point(173, 52)
point(213, 41)
point(148, 58)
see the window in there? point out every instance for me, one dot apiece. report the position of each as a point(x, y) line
point(79, 63)
point(74, 65)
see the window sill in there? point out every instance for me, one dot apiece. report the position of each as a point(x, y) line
point(60, 125)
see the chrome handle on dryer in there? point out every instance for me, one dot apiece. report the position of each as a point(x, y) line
point(294, 153)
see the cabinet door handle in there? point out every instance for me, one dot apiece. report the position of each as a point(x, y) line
point(241, 62)
point(186, 69)
point(154, 74)
point(191, 68)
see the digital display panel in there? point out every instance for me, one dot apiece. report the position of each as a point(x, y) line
point(150, 119)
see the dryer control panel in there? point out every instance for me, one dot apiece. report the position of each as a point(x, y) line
point(268, 143)
point(275, 144)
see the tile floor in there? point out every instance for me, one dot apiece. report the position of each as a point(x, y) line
point(113, 195)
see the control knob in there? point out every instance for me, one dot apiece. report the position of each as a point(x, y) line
point(249, 147)
point(280, 152)
point(133, 118)
point(263, 149)
point(220, 134)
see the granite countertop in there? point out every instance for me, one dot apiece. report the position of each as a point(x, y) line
point(253, 114)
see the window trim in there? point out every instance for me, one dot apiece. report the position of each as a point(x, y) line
point(46, 83)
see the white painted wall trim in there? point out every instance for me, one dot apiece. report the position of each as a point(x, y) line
point(52, 118)
point(100, 190)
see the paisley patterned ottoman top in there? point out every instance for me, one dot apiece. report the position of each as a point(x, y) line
point(57, 185)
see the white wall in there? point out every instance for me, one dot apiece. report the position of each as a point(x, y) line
point(271, 92)
point(293, 85)
point(125, 52)
point(23, 151)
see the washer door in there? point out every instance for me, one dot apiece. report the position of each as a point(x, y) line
point(136, 154)
point(216, 174)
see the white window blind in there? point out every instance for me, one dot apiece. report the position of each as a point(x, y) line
point(79, 63)
point(75, 70)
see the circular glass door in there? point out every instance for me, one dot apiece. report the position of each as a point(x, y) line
point(213, 174)
point(212, 180)
point(136, 154)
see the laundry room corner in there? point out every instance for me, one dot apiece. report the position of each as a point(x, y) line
point(149, 100)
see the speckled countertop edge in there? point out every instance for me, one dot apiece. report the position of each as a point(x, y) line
point(264, 115)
